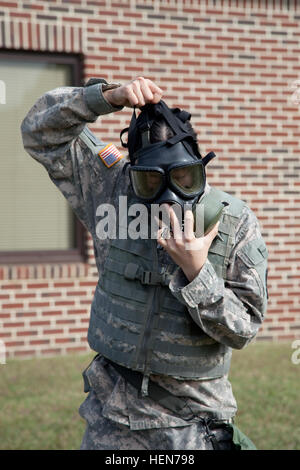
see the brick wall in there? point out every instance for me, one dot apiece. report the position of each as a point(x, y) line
point(232, 64)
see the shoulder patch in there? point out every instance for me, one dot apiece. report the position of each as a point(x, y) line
point(110, 155)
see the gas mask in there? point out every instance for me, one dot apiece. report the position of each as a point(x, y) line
point(171, 171)
point(167, 174)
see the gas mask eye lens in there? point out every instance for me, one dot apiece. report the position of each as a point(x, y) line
point(146, 183)
point(188, 179)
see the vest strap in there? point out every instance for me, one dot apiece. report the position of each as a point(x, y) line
point(132, 272)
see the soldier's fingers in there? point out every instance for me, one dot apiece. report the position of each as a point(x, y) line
point(154, 88)
point(161, 238)
point(138, 93)
point(130, 95)
point(156, 226)
point(189, 225)
point(145, 89)
point(161, 223)
point(175, 224)
point(162, 242)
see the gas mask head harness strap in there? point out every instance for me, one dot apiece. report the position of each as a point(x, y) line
point(171, 170)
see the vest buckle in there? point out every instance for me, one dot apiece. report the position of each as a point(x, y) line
point(152, 278)
point(149, 278)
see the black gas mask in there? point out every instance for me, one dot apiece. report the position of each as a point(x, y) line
point(171, 171)
point(167, 174)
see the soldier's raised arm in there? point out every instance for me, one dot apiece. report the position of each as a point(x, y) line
point(55, 134)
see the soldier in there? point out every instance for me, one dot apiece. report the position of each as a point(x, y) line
point(166, 312)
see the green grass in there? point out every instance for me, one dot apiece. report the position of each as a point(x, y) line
point(39, 399)
point(266, 385)
point(39, 402)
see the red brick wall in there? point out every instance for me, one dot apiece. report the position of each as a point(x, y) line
point(232, 64)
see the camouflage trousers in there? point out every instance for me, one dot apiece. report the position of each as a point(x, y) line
point(105, 434)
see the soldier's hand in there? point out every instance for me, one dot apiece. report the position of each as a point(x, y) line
point(187, 251)
point(138, 92)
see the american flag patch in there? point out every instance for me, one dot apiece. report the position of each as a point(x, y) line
point(110, 155)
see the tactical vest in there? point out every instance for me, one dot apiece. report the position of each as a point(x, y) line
point(138, 323)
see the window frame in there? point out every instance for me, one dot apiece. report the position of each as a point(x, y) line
point(79, 253)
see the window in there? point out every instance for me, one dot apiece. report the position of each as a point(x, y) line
point(36, 222)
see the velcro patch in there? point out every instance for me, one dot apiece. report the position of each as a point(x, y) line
point(110, 155)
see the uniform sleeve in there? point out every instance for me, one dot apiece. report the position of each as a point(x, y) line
point(233, 310)
point(51, 134)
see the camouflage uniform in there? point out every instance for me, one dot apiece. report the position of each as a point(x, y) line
point(231, 313)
